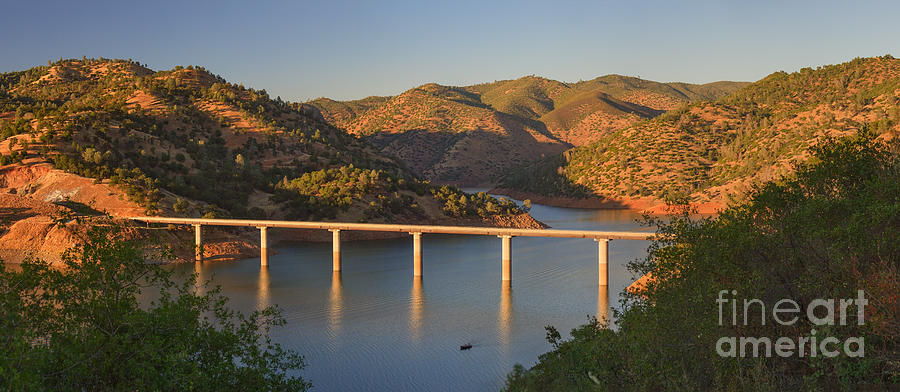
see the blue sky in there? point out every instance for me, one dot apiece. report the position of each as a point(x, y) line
point(346, 50)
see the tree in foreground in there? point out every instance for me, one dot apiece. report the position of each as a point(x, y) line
point(825, 233)
point(86, 327)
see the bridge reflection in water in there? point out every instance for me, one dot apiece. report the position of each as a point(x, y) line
point(603, 304)
point(416, 322)
point(200, 276)
point(384, 323)
point(335, 304)
point(416, 310)
point(263, 298)
point(505, 316)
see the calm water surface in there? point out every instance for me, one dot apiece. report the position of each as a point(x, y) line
point(375, 328)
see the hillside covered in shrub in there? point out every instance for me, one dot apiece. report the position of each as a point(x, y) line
point(713, 151)
point(471, 135)
point(187, 142)
point(828, 232)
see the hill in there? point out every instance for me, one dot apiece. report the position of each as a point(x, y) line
point(117, 136)
point(713, 151)
point(590, 109)
point(447, 134)
point(469, 135)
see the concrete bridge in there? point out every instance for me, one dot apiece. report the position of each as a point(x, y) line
point(416, 231)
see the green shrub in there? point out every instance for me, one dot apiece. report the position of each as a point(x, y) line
point(83, 327)
point(826, 233)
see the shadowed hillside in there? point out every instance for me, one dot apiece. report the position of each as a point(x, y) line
point(469, 135)
point(449, 135)
point(711, 151)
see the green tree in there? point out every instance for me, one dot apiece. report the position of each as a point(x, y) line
point(526, 205)
point(82, 327)
point(181, 206)
point(825, 233)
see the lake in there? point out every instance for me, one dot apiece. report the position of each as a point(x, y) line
point(376, 328)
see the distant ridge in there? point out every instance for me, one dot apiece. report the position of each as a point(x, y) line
point(470, 135)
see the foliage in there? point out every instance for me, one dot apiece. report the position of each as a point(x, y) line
point(715, 150)
point(88, 118)
point(323, 193)
point(459, 204)
point(84, 327)
point(545, 177)
point(825, 233)
point(432, 125)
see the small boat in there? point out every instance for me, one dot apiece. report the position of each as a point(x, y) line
point(465, 346)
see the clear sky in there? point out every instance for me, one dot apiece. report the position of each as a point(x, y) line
point(346, 50)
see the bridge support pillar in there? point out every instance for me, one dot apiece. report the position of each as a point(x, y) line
point(417, 254)
point(263, 247)
point(198, 243)
point(335, 250)
point(603, 261)
point(506, 258)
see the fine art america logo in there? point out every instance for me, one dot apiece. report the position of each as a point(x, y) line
point(787, 312)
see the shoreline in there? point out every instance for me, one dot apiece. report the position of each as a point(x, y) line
point(650, 206)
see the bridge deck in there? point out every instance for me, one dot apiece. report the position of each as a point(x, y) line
point(472, 230)
point(506, 234)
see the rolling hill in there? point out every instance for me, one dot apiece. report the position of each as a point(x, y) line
point(114, 135)
point(470, 135)
point(447, 134)
point(713, 151)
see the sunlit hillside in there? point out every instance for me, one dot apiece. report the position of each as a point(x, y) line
point(711, 151)
point(470, 135)
point(123, 138)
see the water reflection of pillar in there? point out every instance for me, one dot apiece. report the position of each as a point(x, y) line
point(200, 279)
point(262, 297)
point(335, 304)
point(416, 309)
point(603, 304)
point(504, 318)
